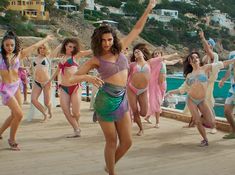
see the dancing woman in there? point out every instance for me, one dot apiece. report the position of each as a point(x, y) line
point(196, 87)
point(157, 85)
point(69, 94)
point(9, 87)
point(111, 105)
point(41, 75)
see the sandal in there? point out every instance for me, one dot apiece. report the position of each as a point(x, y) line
point(13, 145)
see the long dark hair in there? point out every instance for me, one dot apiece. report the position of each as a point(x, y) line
point(96, 40)
point(74, 41)
point(143, 48)
point(10, 35)
point(186, 64)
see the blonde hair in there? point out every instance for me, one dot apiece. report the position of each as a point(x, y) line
point(48, 50)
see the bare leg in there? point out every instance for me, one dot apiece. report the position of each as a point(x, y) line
point(194, 112)
point(65, 103)
point(25, 90)
point(14, 119)
point(75, 100)
point(157, 116)
point(47, 98)
point(132, 99)
point(36, 91)
point(228, 111)
point(124, 134)
point(110, 134)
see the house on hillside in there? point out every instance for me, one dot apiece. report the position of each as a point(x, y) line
point(164, 15)
point(90, 3)
point(223, 20)
point(186, 1)
point(32, 9)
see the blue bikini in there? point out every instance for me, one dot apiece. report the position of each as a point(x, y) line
point(202, 78)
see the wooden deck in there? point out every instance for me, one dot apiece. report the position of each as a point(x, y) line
point(169, 150)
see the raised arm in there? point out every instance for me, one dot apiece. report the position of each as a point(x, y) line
point(206, 46)
point(55, 52)
point(83, 53)
point(27, 51)
point(138, 26)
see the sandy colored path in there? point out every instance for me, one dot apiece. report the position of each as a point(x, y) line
point(169, 150)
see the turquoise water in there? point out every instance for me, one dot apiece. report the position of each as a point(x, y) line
point(175, 81)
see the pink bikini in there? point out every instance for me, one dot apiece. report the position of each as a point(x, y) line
point(8, 90)
point(134, 68)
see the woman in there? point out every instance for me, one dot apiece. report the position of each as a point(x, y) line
point(69, 93)
point(41, 75)
point(138, 79)
point(111, 103)
point(196, 88)
point(157, 85)
point(9, 87)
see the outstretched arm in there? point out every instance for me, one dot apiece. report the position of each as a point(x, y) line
point(169, 57)
point(226, 76)
point(82, 74)
point(83, 53)
point(219, 65)
point(25, 52)
point(138, 26)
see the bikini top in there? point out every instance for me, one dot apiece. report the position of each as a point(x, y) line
point(144, 69)
point(69, 63)
point(44, 62)
point(108, 69)
point(15, 65)
point(197, 78)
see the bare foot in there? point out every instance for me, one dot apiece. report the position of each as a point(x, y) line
point(140, 133)
point(44, 120)
point(50, 114)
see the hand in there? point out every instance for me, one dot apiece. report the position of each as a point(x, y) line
point(96, 81)
point(221, 83)
point(152, 4)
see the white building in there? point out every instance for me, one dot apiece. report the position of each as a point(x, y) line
point(111, 9)
point(186, 1)
point(222, 19)
point(90, 4)
point(164, 15)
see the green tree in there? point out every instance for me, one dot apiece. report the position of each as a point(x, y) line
point(3, 5)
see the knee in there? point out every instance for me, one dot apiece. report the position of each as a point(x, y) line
point(76, 114)
point(111, 142)
point(47, 103)
point(227, 112)
point(135, 113)
point(18, 115)
point(126, 144)
point(143, 112)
